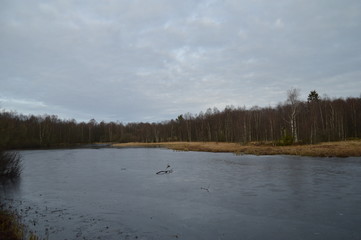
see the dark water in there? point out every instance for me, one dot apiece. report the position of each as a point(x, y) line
point(116, 194)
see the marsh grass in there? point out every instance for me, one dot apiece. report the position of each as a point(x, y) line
point(11, 227)
point(350, 148)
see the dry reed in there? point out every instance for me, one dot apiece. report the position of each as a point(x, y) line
point(329, 149)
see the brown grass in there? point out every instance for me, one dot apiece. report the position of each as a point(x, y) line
point(329, 149)
point(11, 227)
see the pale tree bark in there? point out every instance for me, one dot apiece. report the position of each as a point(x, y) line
point(294, 102)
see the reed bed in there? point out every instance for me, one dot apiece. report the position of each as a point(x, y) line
point(327, 149)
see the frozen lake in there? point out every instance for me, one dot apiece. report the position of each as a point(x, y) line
point(116, 194)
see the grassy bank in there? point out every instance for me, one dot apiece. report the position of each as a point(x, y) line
point(11, 227)
point(328, 149)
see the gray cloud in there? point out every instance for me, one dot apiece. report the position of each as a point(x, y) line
point(152, 60)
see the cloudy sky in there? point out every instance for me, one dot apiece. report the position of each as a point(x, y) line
point(151, 60)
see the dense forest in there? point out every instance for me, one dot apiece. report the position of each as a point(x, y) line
point(294, 121)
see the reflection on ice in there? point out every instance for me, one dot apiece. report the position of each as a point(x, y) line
point(115, 194)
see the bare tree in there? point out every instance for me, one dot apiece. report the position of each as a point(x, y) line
point(188, 119)
point(294, 102)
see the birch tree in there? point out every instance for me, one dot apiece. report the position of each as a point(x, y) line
point(293, 101)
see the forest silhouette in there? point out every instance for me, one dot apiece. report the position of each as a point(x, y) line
point(294, 121)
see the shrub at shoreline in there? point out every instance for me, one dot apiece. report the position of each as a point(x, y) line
point(10, 165)
point(11, 227)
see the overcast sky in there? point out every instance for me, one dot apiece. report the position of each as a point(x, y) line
point(152, 60)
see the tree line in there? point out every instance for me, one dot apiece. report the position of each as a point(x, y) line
point(294, 121)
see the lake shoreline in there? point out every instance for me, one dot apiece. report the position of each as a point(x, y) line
point(351, 148)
